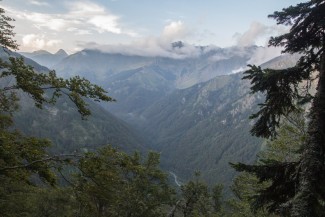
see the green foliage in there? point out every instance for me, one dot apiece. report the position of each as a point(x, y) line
point(112, 183)
point(281, 88)
point(6, 31)
point(245, 187)
point(297, 186)
point(19, 199)
point(21, 156)
point(266, 186)
point(197, 200)
point(24, 160)
point(35, 84)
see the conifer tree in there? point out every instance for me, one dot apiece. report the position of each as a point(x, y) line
point(298, 187)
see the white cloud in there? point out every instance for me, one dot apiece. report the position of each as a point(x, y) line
point(106, 23)
point(240, 69)
point(255, 31)
point(55, 24)
point(253, 36)
point(175, 30)
point(264, 54)
point(38, 3)
point(33, 40)
point(84, 8)
point(38, 42)
point(53, 42)
point(82, 18)
point(218, 57)
point(154, 46)
point(79, 31)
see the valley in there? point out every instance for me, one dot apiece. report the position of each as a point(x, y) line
point(193, 110)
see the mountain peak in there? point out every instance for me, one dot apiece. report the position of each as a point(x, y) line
point(40, 52)
point(178, 44)
point(61, 52)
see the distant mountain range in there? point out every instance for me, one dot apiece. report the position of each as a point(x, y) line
point(193, 110)
point(63, 124)
point(46, 58)
point(137, 81)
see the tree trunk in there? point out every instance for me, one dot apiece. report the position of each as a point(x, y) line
point(306, 201)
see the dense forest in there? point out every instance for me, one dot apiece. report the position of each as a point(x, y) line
point(286, 179)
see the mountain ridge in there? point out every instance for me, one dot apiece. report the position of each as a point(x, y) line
point(62, 123)
point(46, 58)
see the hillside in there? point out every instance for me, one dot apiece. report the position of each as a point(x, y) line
point(63, 124)
point(204, 128)
point(138, 81)
point(193, 110)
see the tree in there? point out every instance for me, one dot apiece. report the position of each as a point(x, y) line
point(301, 182)
point(24, 158)
point(18, 153)
point(112, 183)
point(251, 190)
point(196, 199)
point(245, 187)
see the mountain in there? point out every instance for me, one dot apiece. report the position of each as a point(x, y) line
point(138, 81)
point(63, 124)
point(203, 128)
point(206, 126)
point(46, 58)
point(193, 109)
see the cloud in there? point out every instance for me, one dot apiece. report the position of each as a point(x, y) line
point(79, 31)
point(249, 38)
point(84, 8)
point(153, 46)
point(38, 41)
point(217, 57)
point(264, 54)
point(82, 17)
point(258, 33)
point(253, 35)
point(174, 31)
point(38, 3)
point(106, 23)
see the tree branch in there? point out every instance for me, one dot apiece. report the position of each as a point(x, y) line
point(52, 158)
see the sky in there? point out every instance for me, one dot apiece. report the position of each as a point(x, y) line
point(147, 26)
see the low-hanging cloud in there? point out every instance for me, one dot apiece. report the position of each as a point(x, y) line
point(250, 37)
point(161, 45)
point(256, 32)
point(264, 54)
point(174, 31)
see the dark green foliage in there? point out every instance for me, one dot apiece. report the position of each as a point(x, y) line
point(245, 187)
point(35, 84)
point(112, 183)
point(6, 31)
point(297, 184)
point(24, 161)
point(284, 183)
point(197, 200)
point(18, 152)
point(281, 88)
point(267, 185)
point(21, 156)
